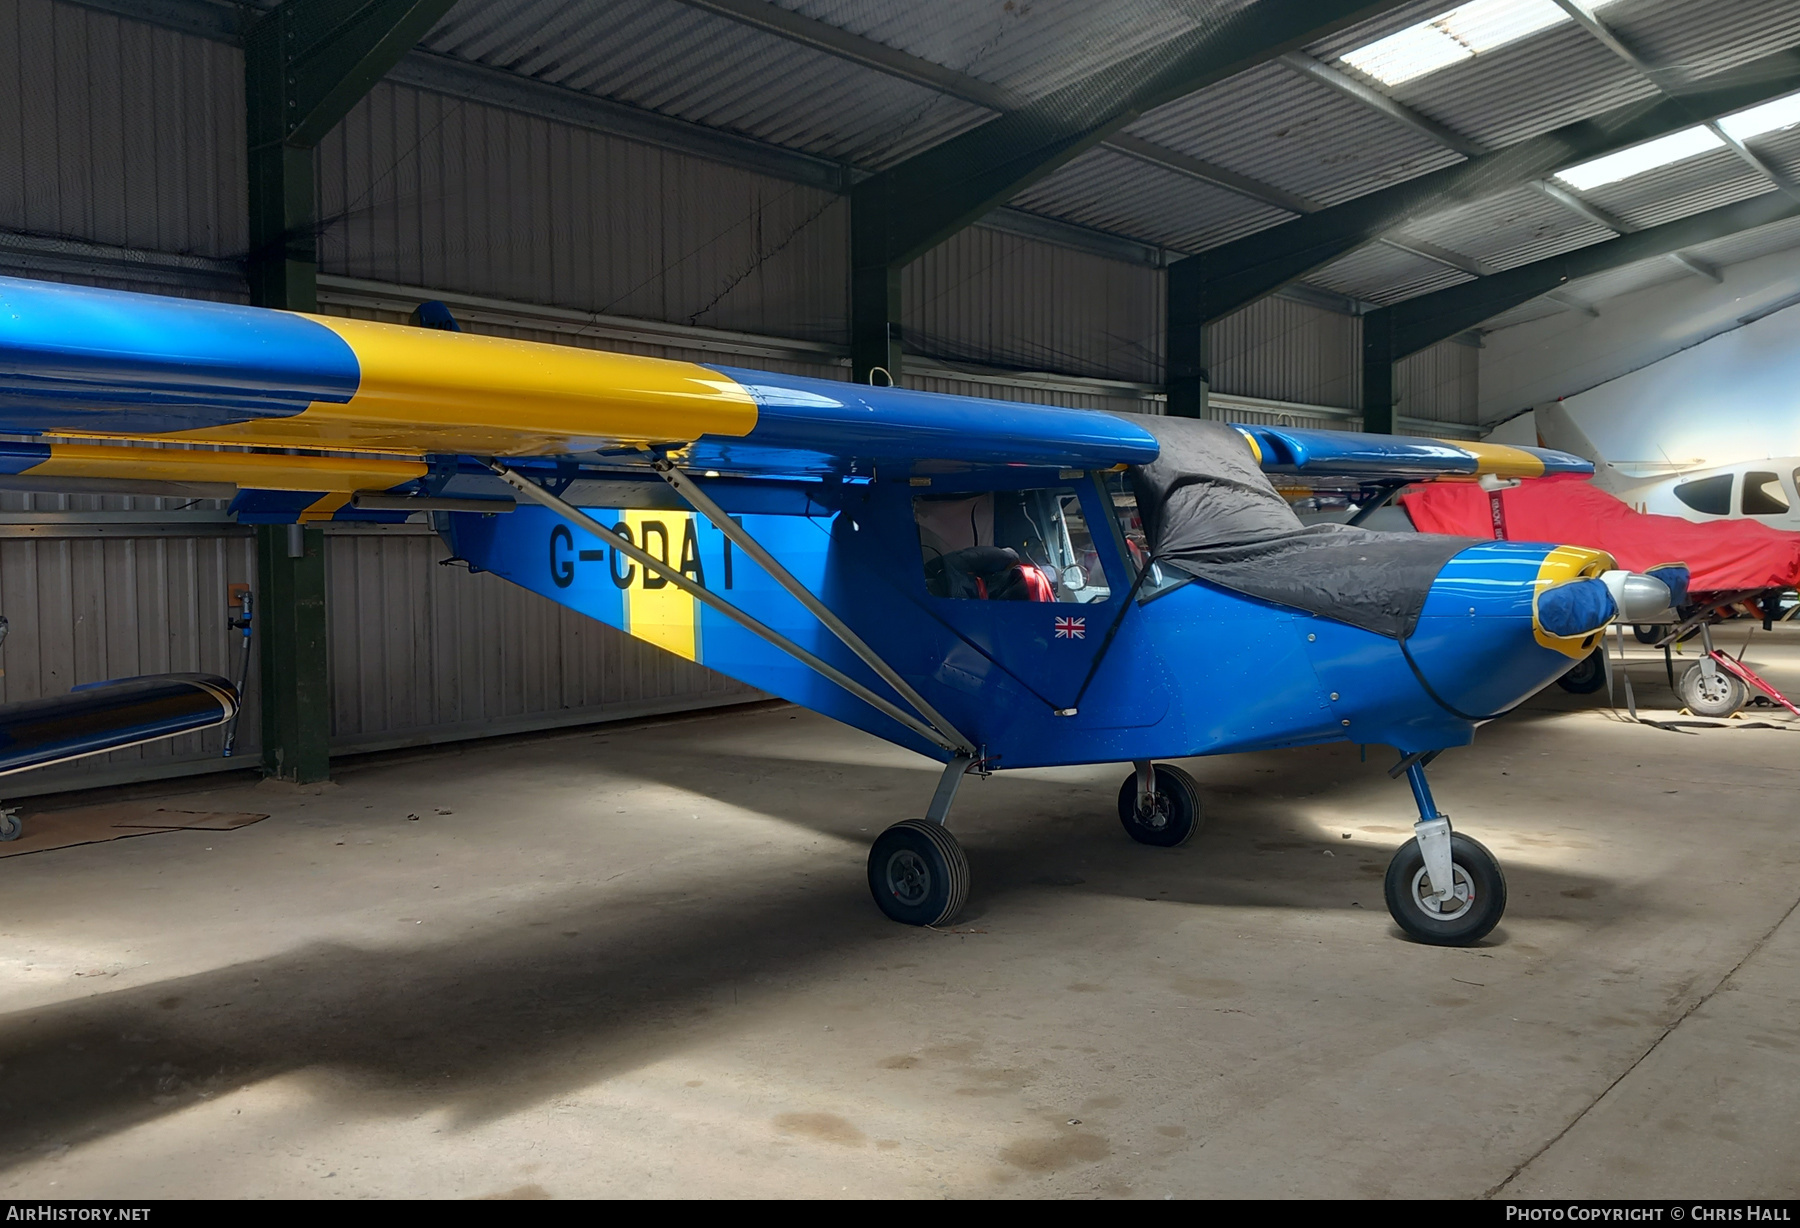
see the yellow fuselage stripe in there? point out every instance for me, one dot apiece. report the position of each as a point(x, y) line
point(656, 611)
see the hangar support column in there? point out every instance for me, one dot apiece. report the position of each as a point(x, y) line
point(1378, 372)
point(306, 64)
point(1188, 377)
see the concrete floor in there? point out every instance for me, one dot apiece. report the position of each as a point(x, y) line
point(642, 961)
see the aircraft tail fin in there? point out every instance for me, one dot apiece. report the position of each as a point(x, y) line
point(1556, 429)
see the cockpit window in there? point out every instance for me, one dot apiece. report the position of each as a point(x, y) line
point(1123, 498)
point(1711, 496)
point(1763, 495)
point(1009, 545)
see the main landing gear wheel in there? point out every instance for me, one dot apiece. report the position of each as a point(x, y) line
point(1174, 814)
point(918, 874)
point(1719, 695)
point(11, 827)
point(1587, 675)
point(1466, 917)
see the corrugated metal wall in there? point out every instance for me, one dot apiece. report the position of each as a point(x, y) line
point(1440, 384)
point(425, 190)
point(1006, 301)
point(120, 132)
point(1288, 351)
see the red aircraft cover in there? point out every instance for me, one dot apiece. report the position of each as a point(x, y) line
point(1721, 555)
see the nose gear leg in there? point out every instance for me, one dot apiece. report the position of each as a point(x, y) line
point(1433, 834)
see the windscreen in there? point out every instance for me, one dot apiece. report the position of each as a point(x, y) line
point(1009, 545)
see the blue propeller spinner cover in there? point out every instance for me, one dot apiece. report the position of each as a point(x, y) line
point(1575, 608)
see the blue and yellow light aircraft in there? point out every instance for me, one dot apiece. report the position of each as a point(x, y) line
point(991, 584)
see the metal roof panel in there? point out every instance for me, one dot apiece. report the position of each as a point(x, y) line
point(1383, 274)
point(1689, 186)
point(1528, 87)
point(1511, 228)
point(1286, 130)
point(1366, 32)
point(1031, 48)
point(1702, 39)
point(679, 61)
point(1161, 206)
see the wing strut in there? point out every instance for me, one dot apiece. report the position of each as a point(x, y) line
point(939, 732)
point(690, 490)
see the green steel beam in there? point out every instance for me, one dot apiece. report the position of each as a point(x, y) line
point(1378, 373)
point(906, 210)
point(1237, 274)
point(290, 622)
point(306, 64)
point(1405, 328)
point(1187, 371)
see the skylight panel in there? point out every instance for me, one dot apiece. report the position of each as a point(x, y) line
point(1663, 151)
point(1449, 38)
point(1782, 113)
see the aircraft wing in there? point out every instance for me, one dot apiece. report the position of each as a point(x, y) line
point(1330, 457)
point(397, 409)
point(302, 417)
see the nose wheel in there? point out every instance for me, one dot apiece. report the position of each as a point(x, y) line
point(1442, 887)
point(1476, 901)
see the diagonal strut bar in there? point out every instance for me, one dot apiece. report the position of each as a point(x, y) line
point(531, 490)
point(690, 490)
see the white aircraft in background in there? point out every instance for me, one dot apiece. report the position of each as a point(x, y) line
point(1763, 491)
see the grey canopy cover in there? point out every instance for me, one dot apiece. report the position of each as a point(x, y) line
point(1209, 510)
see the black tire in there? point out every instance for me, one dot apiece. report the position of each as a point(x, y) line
point(11, 827)
point(1585, 676)
point(1725, 695)
point(1177, 815)
point(1473, 867)
point(1648, 633)
point(918, 873)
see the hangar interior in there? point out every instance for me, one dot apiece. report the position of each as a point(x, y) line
point(539, 905)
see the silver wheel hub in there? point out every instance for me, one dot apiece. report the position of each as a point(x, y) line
point(908, 877)
point(1715, 688)
point(1153, 811)
point(1462, 896)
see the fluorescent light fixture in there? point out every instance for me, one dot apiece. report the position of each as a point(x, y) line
point(1663, 151)
point(1782, 113)
point(1450, 38)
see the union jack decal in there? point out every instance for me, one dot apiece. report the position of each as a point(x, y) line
point(1071, 628)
